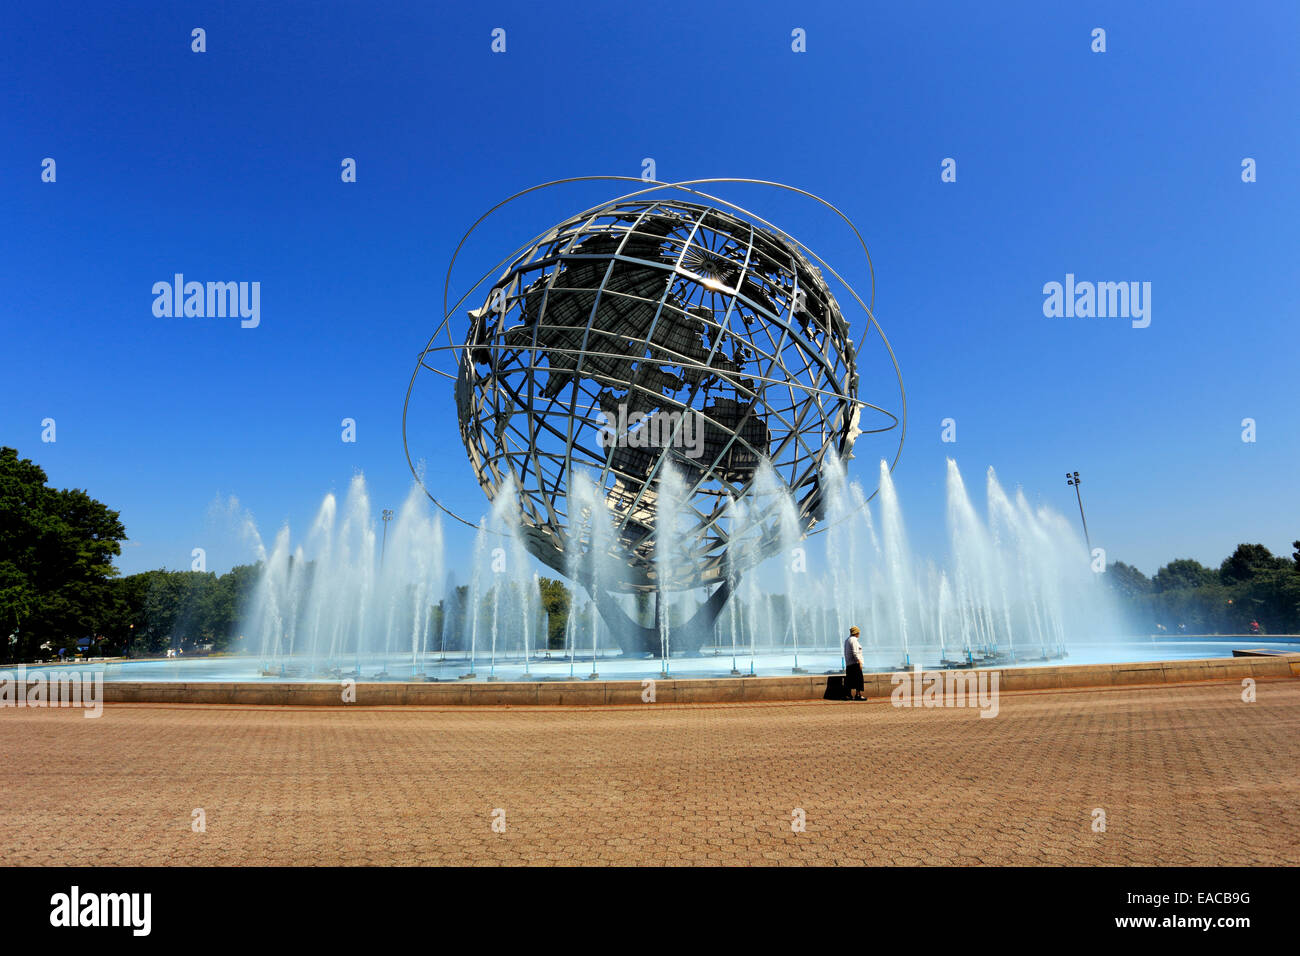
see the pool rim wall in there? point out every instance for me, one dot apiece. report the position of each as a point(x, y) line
point(675, 690)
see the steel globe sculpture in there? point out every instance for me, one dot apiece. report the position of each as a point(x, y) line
point(638, 369)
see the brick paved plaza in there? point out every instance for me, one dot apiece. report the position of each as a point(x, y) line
point(1186, 774)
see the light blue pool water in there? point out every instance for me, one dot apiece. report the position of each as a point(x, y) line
point(453, 667)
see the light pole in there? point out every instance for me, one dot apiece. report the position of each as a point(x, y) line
point(1072, 478)
point(387, 515)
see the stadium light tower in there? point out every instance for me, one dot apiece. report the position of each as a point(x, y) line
point(1073, 479)
point(387, 515)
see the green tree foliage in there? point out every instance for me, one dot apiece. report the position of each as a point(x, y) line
point(1181, 574)
point(556, 601)
point(185, 610)
point(56, 560)
point(1251, 585)
point(58, 584)
point(1248, 561)
point(1127, 581)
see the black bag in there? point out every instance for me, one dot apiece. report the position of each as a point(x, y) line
point(834, 687)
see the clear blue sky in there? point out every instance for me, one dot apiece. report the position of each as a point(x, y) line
point(1123, 165)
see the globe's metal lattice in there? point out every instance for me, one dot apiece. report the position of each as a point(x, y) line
point(654, 307)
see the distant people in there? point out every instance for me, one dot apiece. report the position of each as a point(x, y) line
point(1254, 627)
point(853, 666)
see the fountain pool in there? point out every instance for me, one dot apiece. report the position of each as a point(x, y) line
point(1014, 588)
point(708, 664)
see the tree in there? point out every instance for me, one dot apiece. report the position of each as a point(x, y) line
point(56, 560)
point(1252, 585)
point(1181, 574)
point(1127, 581)
point(1271, 598)
point(183, 609)
point(1248, 561)
point(556, 600)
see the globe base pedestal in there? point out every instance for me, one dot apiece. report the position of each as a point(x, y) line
point(683, 639)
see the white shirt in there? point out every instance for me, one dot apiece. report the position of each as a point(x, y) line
point(852, 650)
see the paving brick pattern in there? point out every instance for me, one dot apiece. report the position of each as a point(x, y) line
point(1185, 774)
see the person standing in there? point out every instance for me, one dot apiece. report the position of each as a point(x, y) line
point(853, 666)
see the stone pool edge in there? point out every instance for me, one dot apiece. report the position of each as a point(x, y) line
point(673, 690)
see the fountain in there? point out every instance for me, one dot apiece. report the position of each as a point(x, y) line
point(1014, 586)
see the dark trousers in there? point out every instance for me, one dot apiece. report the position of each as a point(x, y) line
point(852, 678)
